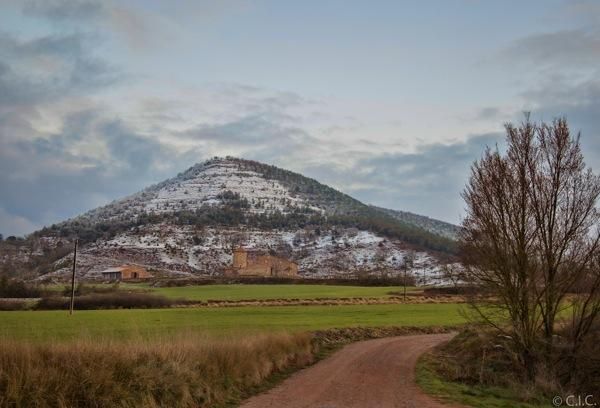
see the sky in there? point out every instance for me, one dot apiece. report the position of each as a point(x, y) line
point(388, 101)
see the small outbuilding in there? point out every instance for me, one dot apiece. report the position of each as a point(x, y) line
point(125, 272)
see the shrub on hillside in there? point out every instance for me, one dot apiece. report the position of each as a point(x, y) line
point(15, 288)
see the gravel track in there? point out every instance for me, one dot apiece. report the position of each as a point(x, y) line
point(368, 374)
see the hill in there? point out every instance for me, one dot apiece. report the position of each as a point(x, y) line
point(188, 225)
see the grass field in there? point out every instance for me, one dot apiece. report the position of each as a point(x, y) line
point(247, 292)
point(58, 325)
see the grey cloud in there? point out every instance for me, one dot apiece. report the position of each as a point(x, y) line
point(489, 113)
point(43, 181)
point(66, 46)
point(579, 103)
point(563, 49)
point(428, 181)
point(135, 153)
point(64, 10)
point(587, 11)
point(14, 224)
point(136, 27)
point(567, 76)
point(250, 130)
point(23, 80)
point(565, 92)
point(46, 177)
point(251, 100)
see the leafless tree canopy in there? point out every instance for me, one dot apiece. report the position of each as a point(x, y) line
point(531, 235)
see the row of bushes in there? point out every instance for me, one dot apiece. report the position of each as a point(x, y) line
point(116, 300)
point(363, 281)
point(83, 289)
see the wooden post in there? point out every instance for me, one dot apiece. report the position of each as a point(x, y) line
point(72, 304)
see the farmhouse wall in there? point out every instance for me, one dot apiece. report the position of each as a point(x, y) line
point(255, 263)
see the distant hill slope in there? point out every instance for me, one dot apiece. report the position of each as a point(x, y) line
point(189, 224)
point(432, 225)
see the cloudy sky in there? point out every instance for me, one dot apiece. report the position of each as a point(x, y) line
point(389, 101)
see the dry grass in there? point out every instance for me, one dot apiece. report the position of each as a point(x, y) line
point(392, 300)
point(187, 371)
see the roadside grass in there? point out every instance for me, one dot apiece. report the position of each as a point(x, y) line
point(478, 396)
point(258, 292)
point(221, 322)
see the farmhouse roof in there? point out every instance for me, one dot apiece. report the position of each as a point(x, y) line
point(116, 269)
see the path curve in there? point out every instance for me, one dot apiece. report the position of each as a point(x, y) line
point(368, 374)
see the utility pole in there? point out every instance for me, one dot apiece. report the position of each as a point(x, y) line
point(405, 268)
point(72, 304)
point(408, 263)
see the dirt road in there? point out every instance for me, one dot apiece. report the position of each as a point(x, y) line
point(368, 374)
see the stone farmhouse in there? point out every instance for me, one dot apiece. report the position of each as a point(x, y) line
point(253, 263)
point(125, 272)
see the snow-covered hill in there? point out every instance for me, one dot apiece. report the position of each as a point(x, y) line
point(189, 224)
point(207, 184)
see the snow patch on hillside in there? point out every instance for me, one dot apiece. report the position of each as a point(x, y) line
point(202, 186)
point(188, 250)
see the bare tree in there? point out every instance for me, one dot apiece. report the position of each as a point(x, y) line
point(498, 236)
point(454, 274)
point(563, 196)
point(529, 235)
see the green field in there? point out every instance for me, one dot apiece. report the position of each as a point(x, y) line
point(58, 325)
point(251, 292)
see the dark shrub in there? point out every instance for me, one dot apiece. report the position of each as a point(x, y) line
point(14, 288)
point(14, 304)
point(116, 300)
